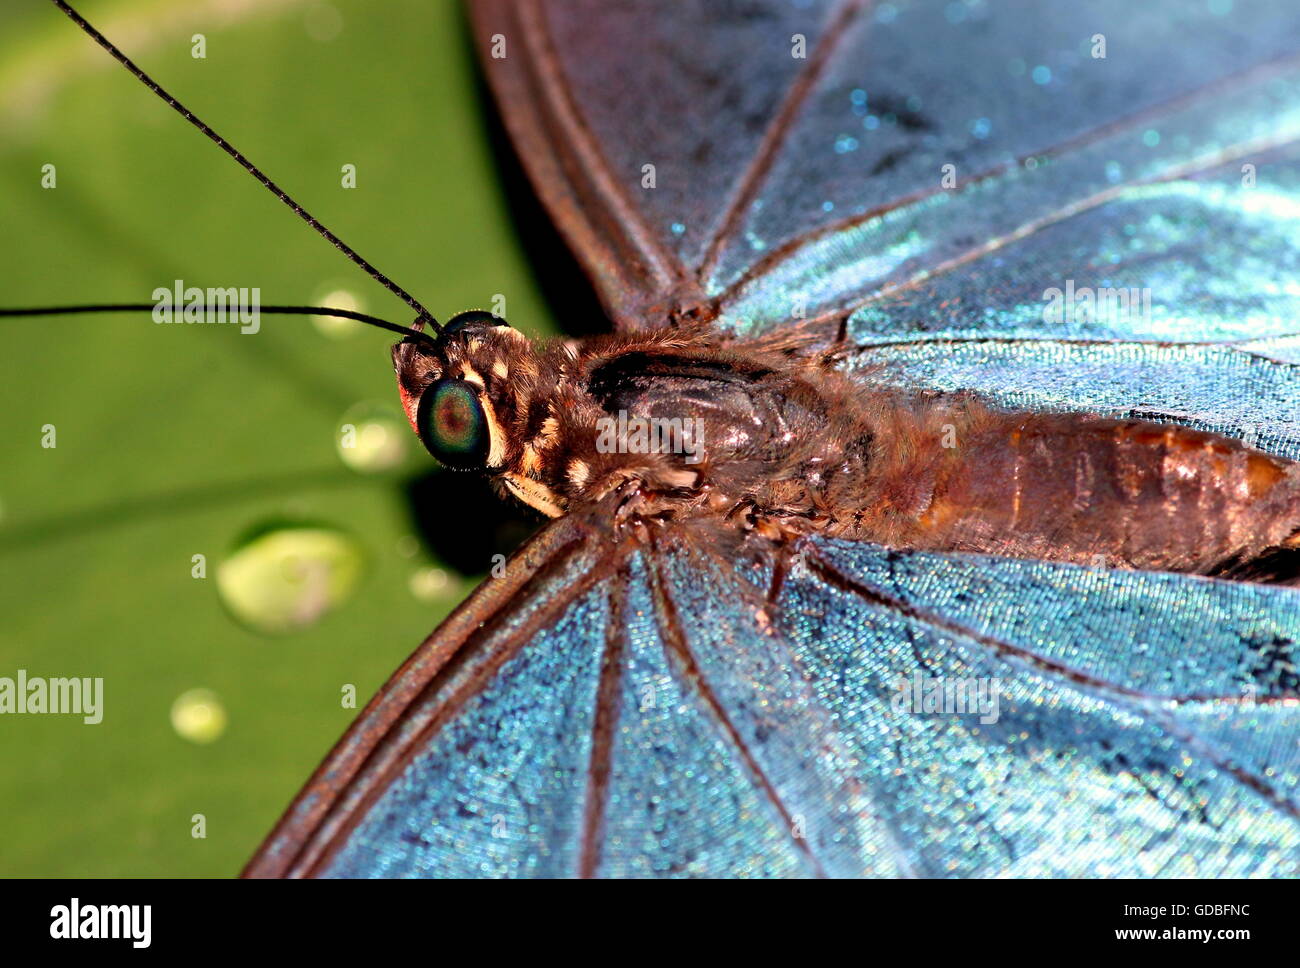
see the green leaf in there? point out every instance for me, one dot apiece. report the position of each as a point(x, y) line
point(173, 440)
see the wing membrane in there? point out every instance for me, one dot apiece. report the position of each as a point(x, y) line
point(1144, 726)
point(1208, 269)
point(1132, 738)
point(793, 188)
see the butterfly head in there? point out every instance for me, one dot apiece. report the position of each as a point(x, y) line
point(454, 390)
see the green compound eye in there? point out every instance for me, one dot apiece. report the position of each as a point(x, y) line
point(453, 425)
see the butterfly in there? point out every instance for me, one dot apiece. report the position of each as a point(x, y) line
point(930, 510)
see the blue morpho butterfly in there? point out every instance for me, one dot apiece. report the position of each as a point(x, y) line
point(970, 553)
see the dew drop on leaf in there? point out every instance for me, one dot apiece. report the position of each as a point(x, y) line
point(338, 327)
point(430, 584)
point(285, 579)
point(198, 716)
point(372, 438)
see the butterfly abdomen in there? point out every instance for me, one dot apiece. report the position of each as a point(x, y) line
point(1073, 487)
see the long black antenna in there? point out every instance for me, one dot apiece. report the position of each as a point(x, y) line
point(270, 310)
point(424, 317)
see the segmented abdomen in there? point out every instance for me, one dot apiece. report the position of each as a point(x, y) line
point(1109, 492)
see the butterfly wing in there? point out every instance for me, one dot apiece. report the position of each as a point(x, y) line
point(635, 125)
point(1142, 725)
point(681, 715)
point(786, 163)
point(552, 727)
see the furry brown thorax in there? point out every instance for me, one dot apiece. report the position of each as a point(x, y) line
point(773, 440)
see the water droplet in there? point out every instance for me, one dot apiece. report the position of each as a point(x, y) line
point(678, 228)
point(408, 546)
point(285, 578)
point(1042, 74)
point(1151, 137)
point(337, 327)
point(372, 438)
point(198, 716)
point(430, 584)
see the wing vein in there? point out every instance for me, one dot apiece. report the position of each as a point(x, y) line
point(604, 724)
point(678, 645)
point(778, 131)
point(789, 248)
point(1032, 227)
point(1241, 346)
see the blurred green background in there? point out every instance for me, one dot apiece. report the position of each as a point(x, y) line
point(177, 440)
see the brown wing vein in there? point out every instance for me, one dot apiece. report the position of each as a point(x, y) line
point(778, 131)
point(1139, 119)
point(604, 725)
point(678, 646)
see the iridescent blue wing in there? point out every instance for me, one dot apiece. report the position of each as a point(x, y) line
point(682, 714)
point(1217, 350)
point(1143, 727)
point(790, 163)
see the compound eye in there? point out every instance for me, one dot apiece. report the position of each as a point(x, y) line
point(454, 426)
point(474, 319)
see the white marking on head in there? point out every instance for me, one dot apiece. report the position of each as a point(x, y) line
point(470, 375)
point(579, 472)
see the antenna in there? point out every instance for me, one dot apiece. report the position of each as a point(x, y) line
point(272, 187)
point(271, 310)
